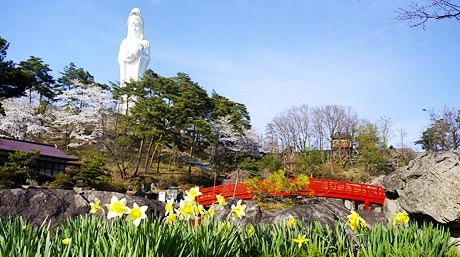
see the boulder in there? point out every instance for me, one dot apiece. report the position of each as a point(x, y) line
point(427, 188)
point(325, 211)
point(252, 211)
point(55, 205)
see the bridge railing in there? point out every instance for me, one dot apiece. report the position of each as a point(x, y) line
point(317, 187)
point(323, 186)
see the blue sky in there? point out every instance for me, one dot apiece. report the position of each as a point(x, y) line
point(269, 55)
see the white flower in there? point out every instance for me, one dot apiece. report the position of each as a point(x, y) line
point(137, 214)
point(117, 208)
point(238, 210)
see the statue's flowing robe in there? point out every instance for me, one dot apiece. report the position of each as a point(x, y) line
point(133, 58)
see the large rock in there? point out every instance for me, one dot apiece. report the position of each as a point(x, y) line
point(324, 211)
point(252, 211)
point(427, 188)
point(36, 205)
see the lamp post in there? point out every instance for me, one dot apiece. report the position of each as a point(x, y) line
point(172, 192)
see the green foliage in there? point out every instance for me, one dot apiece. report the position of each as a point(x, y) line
point(90, 171)
point(24, 164)
point(43, 83)
point(91, 236)
point(62, 181)
point(171, 113)
point(11, 179)
point(276, 183)
point(415, 240)
point(309, 162)
point(73, 75)
point(371, 150)
point(110, 186)
point(270, 162)
point(251, 165)
point(13, 81)
point(222, 106)
point(444, 131)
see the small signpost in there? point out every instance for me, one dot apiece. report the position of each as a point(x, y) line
point(162, 196)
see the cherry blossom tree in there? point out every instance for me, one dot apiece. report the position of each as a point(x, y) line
point(232, 145)
point(81, 112)
point(20, 118)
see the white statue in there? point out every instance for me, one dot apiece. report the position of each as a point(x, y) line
point(134, 56)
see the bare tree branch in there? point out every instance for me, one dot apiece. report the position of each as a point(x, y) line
point(418, 14)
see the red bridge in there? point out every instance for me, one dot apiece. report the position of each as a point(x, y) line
point(317, 188)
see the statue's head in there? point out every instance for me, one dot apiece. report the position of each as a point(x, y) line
point(135, 24)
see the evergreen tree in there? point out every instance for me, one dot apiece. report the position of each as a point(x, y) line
point(74, 76)
point(13, 81)
point(371, 148)
point(192, 109)
point(43, 82)
point(222, 106)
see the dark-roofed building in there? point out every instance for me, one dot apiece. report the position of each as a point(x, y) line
point(52, 160)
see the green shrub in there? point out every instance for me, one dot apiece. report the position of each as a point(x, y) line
point(251, 165)
point(309, 162)
point(11, 179)
point(90, 171)
point(23, 164)
point(42, 178)
point(270, 162)
point(110, 186)
point(62, 181)
point(275, 183)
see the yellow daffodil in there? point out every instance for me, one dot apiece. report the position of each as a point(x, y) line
point(95, 206)
point(66, 240)
point(137, 214)
point(211, 211)
point(117, 208)
point(200, 209)
point(400, 218)
point(169, 207)
point(301, 240)
point(221, 200)
point(238, 210)
point(356, 222)
point(189, 198)
point(194, 192)
point(291, 222)
point(251, 230)
point(171, 218)
point(226, 226)
point(187, 209)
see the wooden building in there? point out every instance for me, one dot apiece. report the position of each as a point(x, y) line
point(52, 160)
point(341, 141)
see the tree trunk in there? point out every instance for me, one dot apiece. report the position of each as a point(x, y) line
point(149, 150)
point(173, 158)
point(158, 164)
point(119, 166)
point(155, 151)
point(141, 148)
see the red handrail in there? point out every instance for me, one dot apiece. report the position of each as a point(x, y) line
point(318, 187)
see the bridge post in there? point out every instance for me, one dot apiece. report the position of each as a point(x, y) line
point(366, 205)
point(312, 190)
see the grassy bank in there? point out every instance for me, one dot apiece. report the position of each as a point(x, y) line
point(91, 236)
